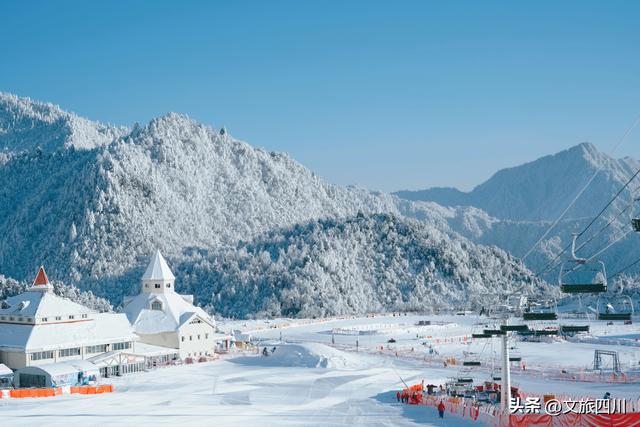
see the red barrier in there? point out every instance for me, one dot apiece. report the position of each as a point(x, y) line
point(572, 420)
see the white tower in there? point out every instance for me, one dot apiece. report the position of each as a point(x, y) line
point(158, 279)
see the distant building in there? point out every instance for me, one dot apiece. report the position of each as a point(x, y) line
point(162, 317)
point(38, 327)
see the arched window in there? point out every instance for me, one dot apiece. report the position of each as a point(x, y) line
point(156, 305)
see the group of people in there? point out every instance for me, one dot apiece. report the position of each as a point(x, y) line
point(405, 397)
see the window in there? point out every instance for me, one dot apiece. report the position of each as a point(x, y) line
point(198, 336)
point(190, 337)
point(42, 355)
point(29, 319)
point(182, 339)
point(11, 318)
point(157, 285)
point(20, 319)
point(121, 346)
point(67, 352)
point(168, 285)
point(71, 317)
point(206, 336)
point(146, 285)
point(96, 349)
point(156, 305)
point(44, 319)
point(84, 316)
point(3, 318)
point(58, 318)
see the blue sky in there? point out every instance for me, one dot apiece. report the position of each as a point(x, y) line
point(386, 95)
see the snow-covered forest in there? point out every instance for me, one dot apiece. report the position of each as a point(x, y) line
point(364, 263)
point(247, 231)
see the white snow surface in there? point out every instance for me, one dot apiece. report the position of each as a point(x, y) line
point(308, 381)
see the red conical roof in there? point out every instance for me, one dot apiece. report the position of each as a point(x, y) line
point(41, 278)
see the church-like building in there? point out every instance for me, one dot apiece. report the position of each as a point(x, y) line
point(162, 317)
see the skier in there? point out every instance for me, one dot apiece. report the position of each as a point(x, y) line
point(265, 352)
point(398, 396)
point(441, 409)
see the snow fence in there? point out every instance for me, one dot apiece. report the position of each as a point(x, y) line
point(21, 393)
point(491, 416)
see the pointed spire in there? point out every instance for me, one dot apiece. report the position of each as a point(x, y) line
point(42, 281)
point(158, 269)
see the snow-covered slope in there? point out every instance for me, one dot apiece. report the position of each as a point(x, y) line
point(92, 210)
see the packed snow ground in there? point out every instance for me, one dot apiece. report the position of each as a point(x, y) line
point(310, 381)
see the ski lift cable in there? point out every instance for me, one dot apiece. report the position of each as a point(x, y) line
point(616, 240)
point(610, 244)
point(575, 199)
point(605, 226)
point(552, 262)
point(624, 269)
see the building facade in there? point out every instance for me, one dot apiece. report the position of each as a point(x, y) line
point(38, 327)
point(162, 317)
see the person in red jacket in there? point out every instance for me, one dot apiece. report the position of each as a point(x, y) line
point(398, 396)
point(441, 409)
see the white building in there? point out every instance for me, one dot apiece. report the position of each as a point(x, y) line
point(38, 327)
point(162, 317)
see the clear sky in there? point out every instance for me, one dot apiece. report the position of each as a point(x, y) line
point(388, 95)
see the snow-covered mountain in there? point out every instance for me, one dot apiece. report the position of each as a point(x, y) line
point(515, 206)
point(27, 124)
point(91, 202)
point(540, 190)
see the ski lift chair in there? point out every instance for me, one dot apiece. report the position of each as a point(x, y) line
point(581, 275)
point(573, 329)
point(615, 308)
point(546, 310)
point(635, 221)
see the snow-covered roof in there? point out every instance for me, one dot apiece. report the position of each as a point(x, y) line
point(62, 368)
point(158, 269)
point(176, 311)
point(43, 304)
point(103, 328)
point(150, 350)
point(4, 370)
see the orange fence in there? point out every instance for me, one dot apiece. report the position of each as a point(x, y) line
point(490, 415)
point(570, 420)
point(98, 389)
point(21, 393)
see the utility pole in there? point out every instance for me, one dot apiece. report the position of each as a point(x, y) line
point(505, 389)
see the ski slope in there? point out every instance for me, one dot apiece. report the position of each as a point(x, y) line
point(308, 380)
